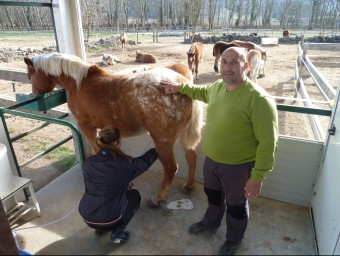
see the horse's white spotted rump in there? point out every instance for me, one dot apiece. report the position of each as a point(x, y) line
point(148, 98)
point(154, 76)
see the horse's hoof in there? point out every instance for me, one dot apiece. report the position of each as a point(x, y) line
point(152, 204)
point(187, 190)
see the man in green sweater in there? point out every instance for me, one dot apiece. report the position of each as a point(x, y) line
point(239, 140)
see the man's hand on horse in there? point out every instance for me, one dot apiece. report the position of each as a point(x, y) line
point(169, 86)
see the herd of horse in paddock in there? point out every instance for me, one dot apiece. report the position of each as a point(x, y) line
point(133, 101)
point(256, 56)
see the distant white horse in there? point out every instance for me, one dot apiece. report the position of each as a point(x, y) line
point(254, 60)
point(109, 59)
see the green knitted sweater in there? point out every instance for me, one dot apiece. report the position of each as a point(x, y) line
point(241, 125)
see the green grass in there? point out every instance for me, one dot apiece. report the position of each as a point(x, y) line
point(63, 156)
point(11, 130)
point(28, 34)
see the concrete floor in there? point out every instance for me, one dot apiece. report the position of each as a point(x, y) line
point(274, 228)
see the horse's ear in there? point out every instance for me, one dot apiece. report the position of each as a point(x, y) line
point(28, 62)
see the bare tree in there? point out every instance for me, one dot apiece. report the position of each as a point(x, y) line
point(268, 10)
point(196, 7)
point(294, 14)
point(284, 10)
point(315, 13)
point(211, 13)
point(254, 12)
point(9, 17)
point(231, 7)
point(126, 12)
point(90, 10)
point(239, 10)
point(246, 13)
point(143, 11)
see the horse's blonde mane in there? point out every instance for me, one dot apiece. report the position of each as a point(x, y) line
point(57, 64)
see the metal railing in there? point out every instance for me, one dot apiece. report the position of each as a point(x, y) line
point(48, 120)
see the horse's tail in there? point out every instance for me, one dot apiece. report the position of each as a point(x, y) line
point(192, 136)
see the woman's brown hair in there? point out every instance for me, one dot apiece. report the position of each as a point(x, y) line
point(106, 137)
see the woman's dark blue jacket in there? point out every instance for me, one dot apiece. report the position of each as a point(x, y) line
point(106, 183)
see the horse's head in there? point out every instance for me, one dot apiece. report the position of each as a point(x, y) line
point(191, 59)
point(41, 83)
point(46, 71)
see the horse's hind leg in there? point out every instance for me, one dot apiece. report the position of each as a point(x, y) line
point(216, 65)
point(191, 157)
point(167, 158)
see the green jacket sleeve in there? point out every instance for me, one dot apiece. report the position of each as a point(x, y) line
point(265, 121)
point(195, 92)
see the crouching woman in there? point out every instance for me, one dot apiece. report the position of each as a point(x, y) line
point(110, 201)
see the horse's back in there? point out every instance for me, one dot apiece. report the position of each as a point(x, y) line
point(221, 46)
point(181, 69)
point(145, 57)
point(199, 50)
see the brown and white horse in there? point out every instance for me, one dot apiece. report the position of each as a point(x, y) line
point(123, 40)
point(109, 59)
point(254, 60)
point(195, 55)
point(133, 103)
point(221, 46)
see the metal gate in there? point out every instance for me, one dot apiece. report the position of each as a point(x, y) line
point(325, 203)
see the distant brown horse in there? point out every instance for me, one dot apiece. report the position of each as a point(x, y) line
point(145, 57)
point(123, 40)
point(286, 33)
point(195, 55)
point(133, 103)
point(221, 46)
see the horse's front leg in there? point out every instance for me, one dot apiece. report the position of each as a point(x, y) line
point(170, 167)
point(196, 71)
point(90, 133)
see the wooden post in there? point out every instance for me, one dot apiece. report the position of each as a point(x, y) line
point(137, 30)
point(303, 46)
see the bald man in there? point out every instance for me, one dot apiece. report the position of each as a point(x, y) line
point(239, 140)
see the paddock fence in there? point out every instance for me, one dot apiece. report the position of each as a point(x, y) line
point(304, 69)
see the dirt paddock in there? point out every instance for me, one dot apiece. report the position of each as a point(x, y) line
point(278, 80)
